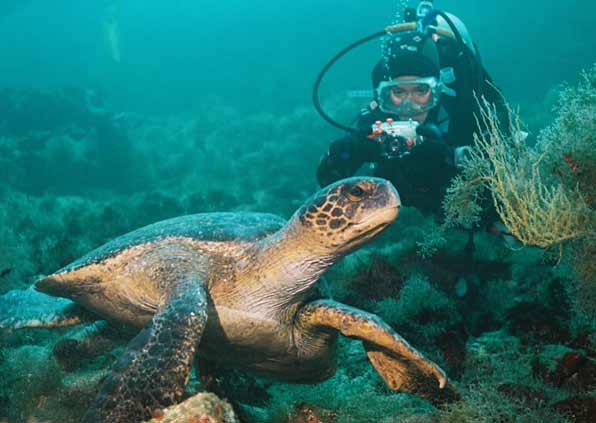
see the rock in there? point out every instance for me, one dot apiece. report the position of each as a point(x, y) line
point(200, 408)
point(308, 413)
point(74, 354)
point(575, 372)
point(533, 323)
point(452, 345)
point(580, 409)
point(523, 394)
point(375, 281)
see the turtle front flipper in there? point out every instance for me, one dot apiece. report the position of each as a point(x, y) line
point(154, 370)
point(402, 367)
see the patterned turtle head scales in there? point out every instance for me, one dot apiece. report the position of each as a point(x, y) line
point(344, 215)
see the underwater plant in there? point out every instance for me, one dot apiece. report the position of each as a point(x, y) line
point(544, 194)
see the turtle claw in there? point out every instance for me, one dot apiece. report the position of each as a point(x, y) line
point(417, 377)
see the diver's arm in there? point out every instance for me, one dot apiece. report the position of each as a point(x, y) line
point(347, 154)
point(344, 158)
point(435, 148)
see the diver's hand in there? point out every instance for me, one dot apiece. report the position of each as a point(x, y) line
point(433, 144)
point(341, 149)
point(353, 148)
point(429, 132)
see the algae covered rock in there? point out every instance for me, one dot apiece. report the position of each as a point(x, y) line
point(200, 408)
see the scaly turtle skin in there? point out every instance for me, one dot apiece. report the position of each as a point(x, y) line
point(236, 287)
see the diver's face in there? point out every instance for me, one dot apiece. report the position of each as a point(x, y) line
point(417, 93)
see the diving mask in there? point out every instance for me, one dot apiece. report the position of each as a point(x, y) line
point(409, 97)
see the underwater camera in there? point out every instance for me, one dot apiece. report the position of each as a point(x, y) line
point(397, 138)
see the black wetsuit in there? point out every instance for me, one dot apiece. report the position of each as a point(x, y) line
point(422, 176)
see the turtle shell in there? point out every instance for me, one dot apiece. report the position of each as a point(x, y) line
point(214, 227)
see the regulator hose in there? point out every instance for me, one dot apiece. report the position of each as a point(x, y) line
point(315, 91)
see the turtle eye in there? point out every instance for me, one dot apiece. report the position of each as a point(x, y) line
point(356, 193)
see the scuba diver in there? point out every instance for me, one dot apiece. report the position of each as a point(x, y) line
point(415, 130)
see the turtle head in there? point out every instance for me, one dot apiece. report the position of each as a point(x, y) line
point(346, 214)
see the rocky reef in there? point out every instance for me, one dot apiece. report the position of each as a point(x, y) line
point(514, 329)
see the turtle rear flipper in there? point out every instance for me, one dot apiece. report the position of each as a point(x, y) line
point(402, 375)
point(154, 370)
point(32, 309)
point(402, 367)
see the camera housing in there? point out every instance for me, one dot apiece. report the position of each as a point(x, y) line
point(397, 138)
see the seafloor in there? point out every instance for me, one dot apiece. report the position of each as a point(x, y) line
point(503, 322)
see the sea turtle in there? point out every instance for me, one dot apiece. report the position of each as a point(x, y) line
point(238, 289)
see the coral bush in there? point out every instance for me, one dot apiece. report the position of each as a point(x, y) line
point(536, 210)
point(434, 239)
point(545, 195)
point(421, 311)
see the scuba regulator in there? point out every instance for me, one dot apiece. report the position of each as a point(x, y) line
point(399, 137)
